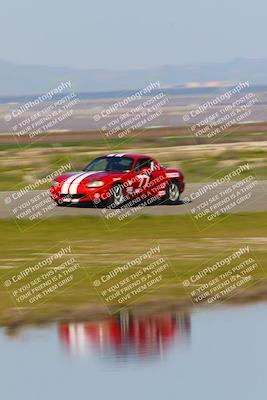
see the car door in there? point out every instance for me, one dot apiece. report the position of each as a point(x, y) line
point(149, 177)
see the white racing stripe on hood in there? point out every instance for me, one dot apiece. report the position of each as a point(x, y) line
point(74, 185)
point(66, 184)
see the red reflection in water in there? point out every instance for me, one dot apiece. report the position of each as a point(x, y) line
point(127, 334)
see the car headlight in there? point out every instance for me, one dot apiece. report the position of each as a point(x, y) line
point(55, 183)
point(95, 184)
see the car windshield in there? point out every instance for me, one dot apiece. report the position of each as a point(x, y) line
point(120, 164)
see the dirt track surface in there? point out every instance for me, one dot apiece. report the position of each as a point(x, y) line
point(9, 203)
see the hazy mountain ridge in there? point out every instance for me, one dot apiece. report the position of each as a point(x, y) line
point(35, 79)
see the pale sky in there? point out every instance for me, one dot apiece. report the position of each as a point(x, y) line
point(123, 34)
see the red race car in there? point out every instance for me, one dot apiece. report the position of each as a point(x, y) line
point(117, 179)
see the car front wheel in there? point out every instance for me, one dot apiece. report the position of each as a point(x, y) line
point(115, 198)
point(173, 193)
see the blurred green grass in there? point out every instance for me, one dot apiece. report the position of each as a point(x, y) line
point(98, 250)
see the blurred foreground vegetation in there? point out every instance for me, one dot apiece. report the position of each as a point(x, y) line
point(98, 250)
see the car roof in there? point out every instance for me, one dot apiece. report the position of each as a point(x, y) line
point(128, 155)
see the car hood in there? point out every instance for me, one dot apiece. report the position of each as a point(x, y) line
point(88, 176)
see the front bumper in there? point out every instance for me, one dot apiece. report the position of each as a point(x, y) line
point(88, 196)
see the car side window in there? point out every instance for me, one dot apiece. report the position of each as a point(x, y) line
point(143, 163)
point(121, 164)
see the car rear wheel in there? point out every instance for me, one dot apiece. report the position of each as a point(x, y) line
point(173, 193)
